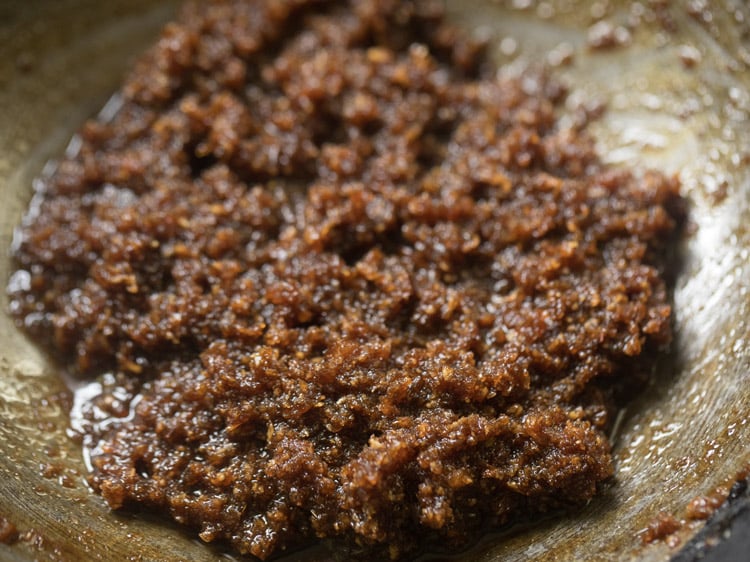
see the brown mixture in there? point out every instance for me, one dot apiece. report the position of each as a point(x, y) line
point(8, 531)
point(667, 527)
point(663, 526)
point(339, 279)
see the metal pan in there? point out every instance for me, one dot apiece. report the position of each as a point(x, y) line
point(676, 84)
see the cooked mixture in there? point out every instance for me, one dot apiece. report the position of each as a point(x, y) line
point(337, 278)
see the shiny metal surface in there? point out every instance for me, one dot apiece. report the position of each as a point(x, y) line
point(689, 431)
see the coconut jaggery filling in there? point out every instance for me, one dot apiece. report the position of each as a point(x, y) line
point(344, 281)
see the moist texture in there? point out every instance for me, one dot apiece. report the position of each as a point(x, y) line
point(338, 278)
point(8, 531)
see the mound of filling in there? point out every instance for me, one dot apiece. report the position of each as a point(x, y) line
point(338, 278)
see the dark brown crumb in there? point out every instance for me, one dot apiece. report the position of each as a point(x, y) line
point(56, 470)
point(342, 283)
point(51, 470)
point(8, 531)
point(689, 55)
point(661, 528)
point(703, 507)
point(665, 526)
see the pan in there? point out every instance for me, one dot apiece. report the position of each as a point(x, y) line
point(674, 81)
